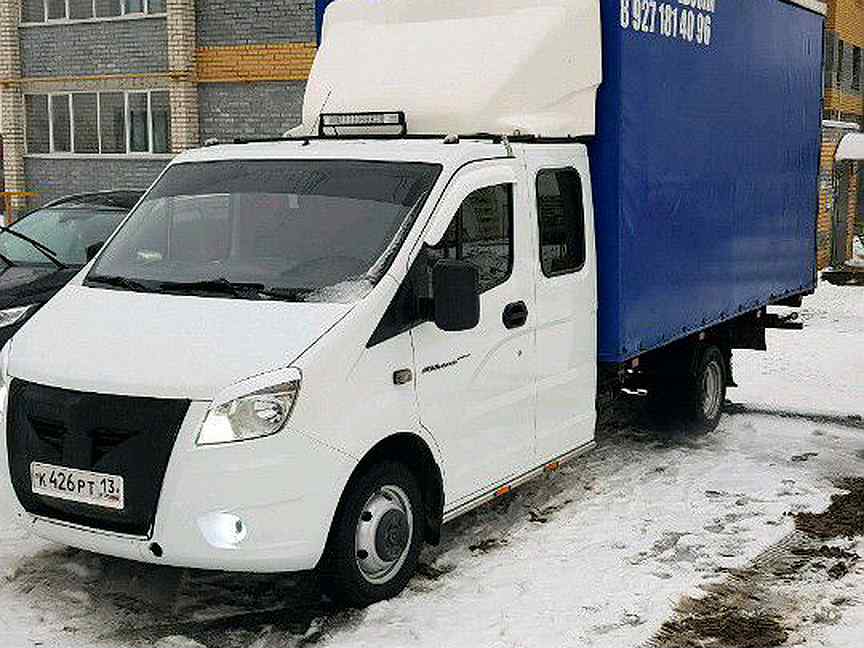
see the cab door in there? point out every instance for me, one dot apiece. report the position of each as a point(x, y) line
point(475, 388)
point(566, 308)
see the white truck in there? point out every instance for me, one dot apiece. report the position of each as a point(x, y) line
point(312, 352)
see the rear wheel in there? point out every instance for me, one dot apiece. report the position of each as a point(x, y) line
point(694, 396)
point(705, 390)
point(376, 537)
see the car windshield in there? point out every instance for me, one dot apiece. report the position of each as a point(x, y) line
point(288, 230)
point(66, 231)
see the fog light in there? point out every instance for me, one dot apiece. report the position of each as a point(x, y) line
point(223, 530)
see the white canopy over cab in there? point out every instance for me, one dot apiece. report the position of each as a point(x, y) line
point(461, 66)
point(851, 147)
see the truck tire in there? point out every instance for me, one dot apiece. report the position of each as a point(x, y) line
point(376, 537)
point(704, 390)
point(691, 392)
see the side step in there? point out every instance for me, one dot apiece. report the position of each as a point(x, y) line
point(507, 486)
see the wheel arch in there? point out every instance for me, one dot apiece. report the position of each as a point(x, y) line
point(413, 451)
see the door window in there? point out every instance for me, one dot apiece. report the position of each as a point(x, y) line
point(482, 234)
point(561, 215)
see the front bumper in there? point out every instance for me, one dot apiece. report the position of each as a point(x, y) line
point(283, 490)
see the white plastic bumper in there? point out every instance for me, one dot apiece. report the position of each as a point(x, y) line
point(260, 506)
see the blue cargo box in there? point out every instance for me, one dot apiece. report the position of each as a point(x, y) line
point(705, 164)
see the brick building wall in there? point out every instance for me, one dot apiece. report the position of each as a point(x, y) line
point(844, 113)
point(237, 110)
point(251, 22)
point(133, 46)
point(253, 60)
point(832, 133)
point(59, 177)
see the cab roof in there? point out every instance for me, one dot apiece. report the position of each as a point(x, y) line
point(427, 150)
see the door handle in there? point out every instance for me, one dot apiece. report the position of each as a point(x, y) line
point(515, 315)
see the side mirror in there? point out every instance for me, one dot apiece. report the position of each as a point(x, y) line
point(93, 250)
point(456, 286)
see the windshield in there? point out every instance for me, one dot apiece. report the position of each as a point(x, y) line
point(290, 230)
point(68, 232)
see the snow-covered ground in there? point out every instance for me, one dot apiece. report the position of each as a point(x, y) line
point(616, 550)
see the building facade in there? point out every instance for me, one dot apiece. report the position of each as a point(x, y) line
point(841, 213)
point(98, 94)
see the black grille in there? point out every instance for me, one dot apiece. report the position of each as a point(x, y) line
point(118, 435)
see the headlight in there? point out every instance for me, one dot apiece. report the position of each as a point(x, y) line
point(13, 316)
point(261, 414)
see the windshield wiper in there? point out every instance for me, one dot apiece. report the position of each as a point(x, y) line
point(221, 286)
point(47, 252)
point(286, 294)
point(9, 263)
point(118, 282)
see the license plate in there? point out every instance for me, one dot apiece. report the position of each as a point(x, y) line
point(84, 487)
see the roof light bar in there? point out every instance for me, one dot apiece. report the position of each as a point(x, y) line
point(332, 122)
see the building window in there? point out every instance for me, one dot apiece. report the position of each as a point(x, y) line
point(107, 8)
point(85, 108)
point(856, 68)
point(36, 110)
point(80, 9)
point(160, 118)
point(840, 55)
point(50, 10)
point(55, 9)
point(93, 123)
point(112, 122)
point(60, 108)
point(139, 122)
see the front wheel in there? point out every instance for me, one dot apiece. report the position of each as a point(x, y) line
point(376, 537)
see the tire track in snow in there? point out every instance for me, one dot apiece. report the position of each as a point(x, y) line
point(766, 603)
point(850, 421)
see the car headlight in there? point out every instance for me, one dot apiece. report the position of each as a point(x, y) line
point(12, 316)
point(260, 414)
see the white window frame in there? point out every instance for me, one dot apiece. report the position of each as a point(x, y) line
point(126, 117)
point(124, 13)
point(45, 4)
point(51, 136)
point(124, 8)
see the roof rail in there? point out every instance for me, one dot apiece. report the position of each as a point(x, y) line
point(492, 137)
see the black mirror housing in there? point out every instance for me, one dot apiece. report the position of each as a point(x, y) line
point(456, 286)
point(93, 250)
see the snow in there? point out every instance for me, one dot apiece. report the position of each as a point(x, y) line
point(598, 555)
point(346, 292)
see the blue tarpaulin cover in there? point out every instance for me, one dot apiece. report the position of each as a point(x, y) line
point(705, 166)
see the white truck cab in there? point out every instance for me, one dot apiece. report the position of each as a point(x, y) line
point(316, 350)
point(308, 346)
